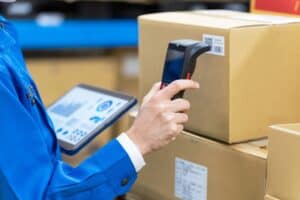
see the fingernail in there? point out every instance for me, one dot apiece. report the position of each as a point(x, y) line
point(197, 85)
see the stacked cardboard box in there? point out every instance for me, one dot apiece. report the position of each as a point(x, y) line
point(193, 167)
point(128, 79)
point(248, 82)
point(254, 63)
point(283, 162)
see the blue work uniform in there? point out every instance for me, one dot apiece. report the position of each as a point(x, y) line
point(30, 157)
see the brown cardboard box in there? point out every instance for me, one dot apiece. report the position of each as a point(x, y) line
point(55, 76)
point(204, 168)
point(128, 78)
point(269, 197)
point(243, 82)
point(283, 162)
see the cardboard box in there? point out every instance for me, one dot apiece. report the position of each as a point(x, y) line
point(128, 78)
point(269, 197)
point(55, 76)
point(277, 7)
point(283, 162)
point(204, 168)
point(254, 65)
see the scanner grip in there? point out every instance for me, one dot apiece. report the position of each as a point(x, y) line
point(191, 53)
point(190, 63)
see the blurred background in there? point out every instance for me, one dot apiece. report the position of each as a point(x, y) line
point(93, 42)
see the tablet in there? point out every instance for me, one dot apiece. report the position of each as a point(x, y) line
point(84, 112)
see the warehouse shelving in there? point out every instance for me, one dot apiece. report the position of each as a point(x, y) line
point(69, 33)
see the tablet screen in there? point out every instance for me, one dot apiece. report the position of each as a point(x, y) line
point(81, 111)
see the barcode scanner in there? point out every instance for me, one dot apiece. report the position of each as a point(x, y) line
point(181, 61)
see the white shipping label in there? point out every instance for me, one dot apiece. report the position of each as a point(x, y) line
point(217, 44)
point(190, 180)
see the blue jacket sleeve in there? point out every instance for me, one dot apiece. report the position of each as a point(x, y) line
point(107, 174)
point(29, 171)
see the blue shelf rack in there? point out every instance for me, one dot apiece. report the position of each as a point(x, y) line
point(72, 34)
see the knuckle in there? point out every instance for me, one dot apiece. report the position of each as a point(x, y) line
point(180, 128)
point(170, 135)
point(177, 85)
point(159, 110)
point(155, 85)
point(156, 98)
point(185, 117)
point(166, 118)
point(173, 128)
point(160, 107)
point(153, 99)
point(187, 104)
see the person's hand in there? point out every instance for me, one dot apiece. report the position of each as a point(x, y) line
point(160, 119)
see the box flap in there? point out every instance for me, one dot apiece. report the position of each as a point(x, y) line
point(218, 12)
point(256, 148)
point(269, 197)
point(259, 18)
point(199, 19)
point(293, 128)
point(221, 19)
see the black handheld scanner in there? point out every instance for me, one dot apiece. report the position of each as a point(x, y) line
point(181, 61)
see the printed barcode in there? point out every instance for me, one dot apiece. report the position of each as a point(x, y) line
point(208, 41)
point(216, 42)
point(218, 49)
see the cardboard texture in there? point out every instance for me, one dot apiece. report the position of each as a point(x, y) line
point(55, 76)
point(269, 197)
point(234, 172)
point(277, 7)
point(254, 65)
point(283, 162)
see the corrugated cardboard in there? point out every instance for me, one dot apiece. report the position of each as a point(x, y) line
point(278, 7)
point(269, 197)
point(235, 172)
point(284, 162)
point(241, 92)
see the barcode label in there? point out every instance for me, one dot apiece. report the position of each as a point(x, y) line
point(190, 180)
point(217, 44)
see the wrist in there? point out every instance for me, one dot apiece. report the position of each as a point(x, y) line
point(142, 146)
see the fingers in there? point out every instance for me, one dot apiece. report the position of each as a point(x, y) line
point(155, 88)
point(177, 86)
point(174, 134)
point(180, 128)
point(179, 105)
point(179, 118)
point(174, 118)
